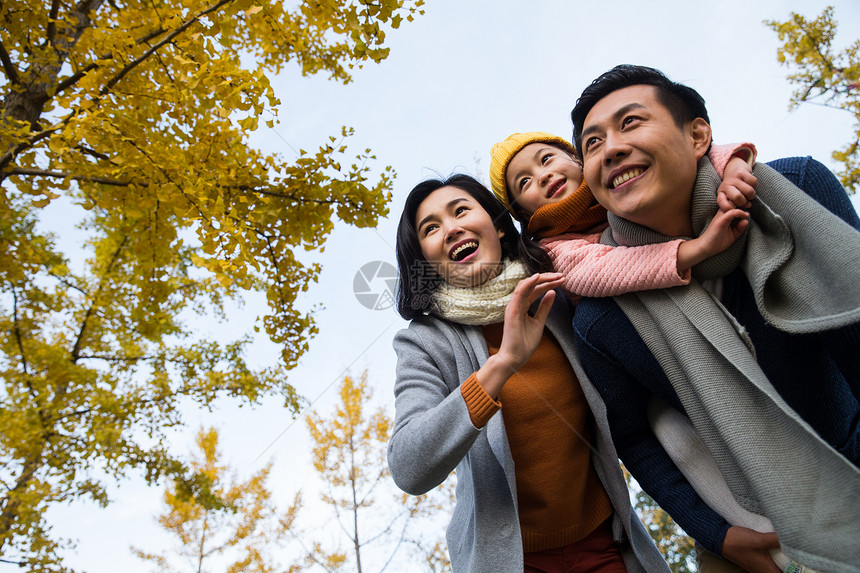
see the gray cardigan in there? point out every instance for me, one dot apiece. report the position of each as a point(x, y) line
point(433, 435)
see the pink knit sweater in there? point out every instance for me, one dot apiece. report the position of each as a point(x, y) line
point(592, 269)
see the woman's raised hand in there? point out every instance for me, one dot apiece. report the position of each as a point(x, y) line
point(522, 332)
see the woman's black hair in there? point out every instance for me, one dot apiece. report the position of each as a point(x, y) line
point(417, 278)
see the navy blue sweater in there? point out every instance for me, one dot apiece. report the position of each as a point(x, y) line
point(817, 374)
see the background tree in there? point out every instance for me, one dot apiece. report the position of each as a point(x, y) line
point(350, 455)
point(237, 524)
point(137, 115)
point(824, 76)
point(677, 548)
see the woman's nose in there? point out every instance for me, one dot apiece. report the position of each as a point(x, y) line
point(452, 232)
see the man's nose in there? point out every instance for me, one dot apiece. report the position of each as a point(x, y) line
point(614, 147)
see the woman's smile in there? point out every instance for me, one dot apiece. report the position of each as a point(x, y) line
point(458, 237)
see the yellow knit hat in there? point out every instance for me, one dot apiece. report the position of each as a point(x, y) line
point(502, 153)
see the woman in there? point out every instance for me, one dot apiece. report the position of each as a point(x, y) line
point(474, 345)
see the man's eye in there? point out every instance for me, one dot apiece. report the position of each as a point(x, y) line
point(590, 142)
point(627, 120)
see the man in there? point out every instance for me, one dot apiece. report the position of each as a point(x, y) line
point(760, 351)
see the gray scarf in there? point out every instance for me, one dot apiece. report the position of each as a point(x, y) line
point(757, 440)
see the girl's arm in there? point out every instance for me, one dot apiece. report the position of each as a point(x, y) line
point(594, 270)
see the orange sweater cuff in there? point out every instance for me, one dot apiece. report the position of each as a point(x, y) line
point(481, 406)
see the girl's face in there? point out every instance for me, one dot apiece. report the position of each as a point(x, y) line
point(540, 174)
point(458, 238)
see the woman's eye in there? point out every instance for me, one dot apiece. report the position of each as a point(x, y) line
point(460, 210)
point(429, 228)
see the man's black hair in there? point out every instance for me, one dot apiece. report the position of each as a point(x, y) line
point(683, 102)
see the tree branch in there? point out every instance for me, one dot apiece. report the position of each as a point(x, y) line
point(169, 38)
point(8, 65)
point(18, 339)
point(79, 339)
point(61, 175)
point(52, 26)
point(77, 76)
point(58, 174)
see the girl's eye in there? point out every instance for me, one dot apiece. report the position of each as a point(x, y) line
point(524, 181)
point(545, 158)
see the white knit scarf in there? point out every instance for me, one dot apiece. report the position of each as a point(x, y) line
point(482, 304)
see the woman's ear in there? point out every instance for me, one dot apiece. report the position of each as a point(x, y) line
point(500, 232)
point(700, 131)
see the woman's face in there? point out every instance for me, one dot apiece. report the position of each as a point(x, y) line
point(458, 238)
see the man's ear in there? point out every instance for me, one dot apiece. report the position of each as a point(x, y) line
point(700, 131)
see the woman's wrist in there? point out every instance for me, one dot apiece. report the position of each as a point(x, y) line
point(494, 374)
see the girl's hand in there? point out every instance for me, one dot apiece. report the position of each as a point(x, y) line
point(738, 187)
point(522, 332)
point(725, 228)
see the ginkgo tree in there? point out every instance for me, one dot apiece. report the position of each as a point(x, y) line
point(370, 514)
point(239, 526)
point(824, 75)
point(138, 114)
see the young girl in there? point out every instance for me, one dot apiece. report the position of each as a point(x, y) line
point(489, 383)
point(537, 177)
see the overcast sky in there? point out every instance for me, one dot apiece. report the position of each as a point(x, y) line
point(459, 78)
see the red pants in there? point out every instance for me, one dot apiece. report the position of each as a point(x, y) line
point(596, 552)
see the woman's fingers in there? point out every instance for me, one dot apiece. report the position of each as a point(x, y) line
point(546, 282)
point(544, 307)
point(531, 289)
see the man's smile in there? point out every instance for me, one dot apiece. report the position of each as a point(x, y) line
point(623, 175)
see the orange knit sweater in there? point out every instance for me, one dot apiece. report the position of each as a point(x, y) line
point(548, 424)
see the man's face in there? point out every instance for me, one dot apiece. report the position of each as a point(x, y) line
point(638, 163)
